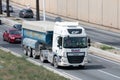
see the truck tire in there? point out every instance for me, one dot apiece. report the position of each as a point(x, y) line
point(55, 62)
point(29, 52)
point(41, 58)
point(34, 54)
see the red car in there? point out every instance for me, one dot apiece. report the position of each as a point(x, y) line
point(12, 35)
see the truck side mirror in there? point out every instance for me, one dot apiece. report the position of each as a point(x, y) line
point(89, 42)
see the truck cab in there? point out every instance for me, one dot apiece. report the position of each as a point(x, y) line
point(70, 45)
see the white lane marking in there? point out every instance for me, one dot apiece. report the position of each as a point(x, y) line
point(105, 59)
point(109, 74)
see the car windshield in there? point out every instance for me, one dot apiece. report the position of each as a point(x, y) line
point(18, 26)
point(14, 32)
point(75, 42)
point(29, 10)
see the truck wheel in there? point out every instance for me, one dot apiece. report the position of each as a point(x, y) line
point(42, 59)
point(29, 52)
point(55, 62)
point(34, 54)
point(25, 50)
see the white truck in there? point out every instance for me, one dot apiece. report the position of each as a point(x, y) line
point(60, 43)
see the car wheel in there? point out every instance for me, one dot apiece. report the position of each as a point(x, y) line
point(9, 40)
point(3, 38)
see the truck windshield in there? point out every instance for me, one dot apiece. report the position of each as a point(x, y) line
point(75, 42)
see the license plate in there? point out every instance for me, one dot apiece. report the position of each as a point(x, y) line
point(17, 39)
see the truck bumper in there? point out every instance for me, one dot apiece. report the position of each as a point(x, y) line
point(64, 62)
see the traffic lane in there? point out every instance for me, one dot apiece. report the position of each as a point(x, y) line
point(103, 36)
point(97, 69)
point(17, 10)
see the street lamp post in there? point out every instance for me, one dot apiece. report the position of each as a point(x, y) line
point(37, 10)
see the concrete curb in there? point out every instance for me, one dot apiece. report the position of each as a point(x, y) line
point(71, 77)
point(7, 50)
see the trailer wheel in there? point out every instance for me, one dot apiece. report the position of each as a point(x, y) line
point(55, 62)
point(34, 54)
point(41, 58)
point(29, 52)
point(25, 50)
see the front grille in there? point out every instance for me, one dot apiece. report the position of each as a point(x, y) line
point(73, 58)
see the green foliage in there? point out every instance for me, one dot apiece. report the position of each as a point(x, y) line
point(15, 68)
point(105, 47)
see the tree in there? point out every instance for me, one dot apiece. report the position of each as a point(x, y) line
point(0, 6)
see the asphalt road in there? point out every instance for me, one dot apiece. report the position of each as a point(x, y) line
point(97, 68)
